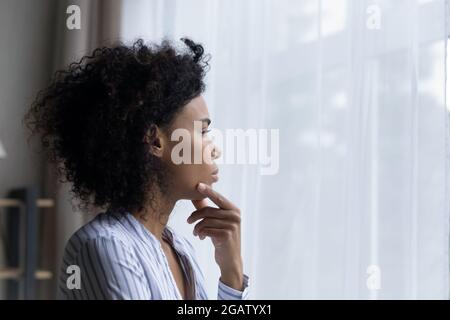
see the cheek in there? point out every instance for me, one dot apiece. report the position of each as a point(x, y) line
point(195, 173)
point(207, 148)
point(189, 175)
point(186, 176)
point(201, 151)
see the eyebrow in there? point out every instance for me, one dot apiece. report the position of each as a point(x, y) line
point(207, 120)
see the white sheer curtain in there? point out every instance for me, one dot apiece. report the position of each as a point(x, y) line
point(360, 206)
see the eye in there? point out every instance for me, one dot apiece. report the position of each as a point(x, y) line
point(205, 131)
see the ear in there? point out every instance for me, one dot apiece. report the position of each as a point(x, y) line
point(155, 139)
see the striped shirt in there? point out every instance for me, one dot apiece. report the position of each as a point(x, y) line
point(115, 257)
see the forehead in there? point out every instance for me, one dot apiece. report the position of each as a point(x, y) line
point(196, 109)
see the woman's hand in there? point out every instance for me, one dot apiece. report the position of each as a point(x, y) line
point(223, 226)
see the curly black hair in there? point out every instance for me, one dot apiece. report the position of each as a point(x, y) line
point(94, 115)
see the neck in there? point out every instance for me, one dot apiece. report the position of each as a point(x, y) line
point(155, 217)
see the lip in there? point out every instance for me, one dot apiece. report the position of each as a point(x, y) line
point(215, 175)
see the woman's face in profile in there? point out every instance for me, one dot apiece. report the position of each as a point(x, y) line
point(193, 122)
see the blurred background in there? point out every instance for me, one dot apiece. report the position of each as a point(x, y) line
point(359, 208)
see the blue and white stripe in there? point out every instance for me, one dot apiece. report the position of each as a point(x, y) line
point(118, 258)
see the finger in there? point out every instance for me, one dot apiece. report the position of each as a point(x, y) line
point(215, 213)
point(216, 197)
point(203, 213)
point(212, 223)
point(198, 204)
point(214, 233)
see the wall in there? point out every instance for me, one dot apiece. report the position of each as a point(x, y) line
point(26, 46)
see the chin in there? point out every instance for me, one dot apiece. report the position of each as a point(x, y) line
point(210, 180)
point(214, 178)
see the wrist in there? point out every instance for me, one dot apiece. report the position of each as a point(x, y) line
point(233, 276)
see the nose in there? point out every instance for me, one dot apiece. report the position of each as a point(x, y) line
point(215, 153)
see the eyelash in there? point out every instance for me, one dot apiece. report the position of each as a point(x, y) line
point(206, 131)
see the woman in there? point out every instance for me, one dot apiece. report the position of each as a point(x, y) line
point(108, 121)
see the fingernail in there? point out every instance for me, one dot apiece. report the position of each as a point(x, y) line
point(201, 187)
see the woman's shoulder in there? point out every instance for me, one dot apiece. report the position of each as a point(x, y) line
point(102, 227)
